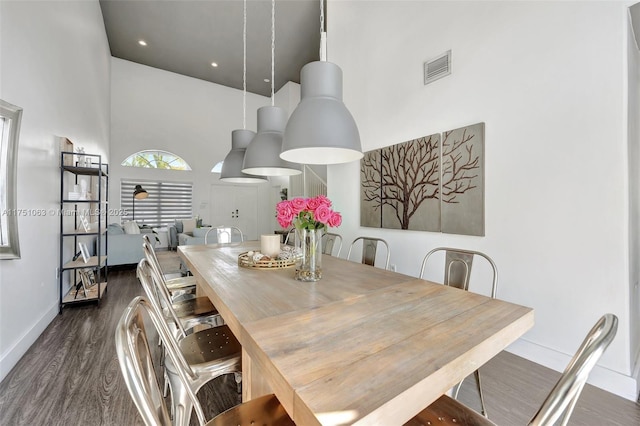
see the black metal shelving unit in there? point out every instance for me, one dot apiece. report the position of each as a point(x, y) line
point(78, 292)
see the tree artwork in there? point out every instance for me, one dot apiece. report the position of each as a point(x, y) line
point(403, 178)
point(426, 185)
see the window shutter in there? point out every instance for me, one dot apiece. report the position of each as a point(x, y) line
point(167, 201)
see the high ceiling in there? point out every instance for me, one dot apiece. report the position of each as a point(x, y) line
point(186, 36)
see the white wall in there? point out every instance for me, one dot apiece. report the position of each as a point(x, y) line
point(549, 81)
point(155, 109)
point(54, 63)
point(633, 117)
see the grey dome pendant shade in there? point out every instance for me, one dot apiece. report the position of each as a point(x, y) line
point(321, 130)
point(263, 155)
point(232, 165)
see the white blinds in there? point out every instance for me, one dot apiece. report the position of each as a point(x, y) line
point(166, 202)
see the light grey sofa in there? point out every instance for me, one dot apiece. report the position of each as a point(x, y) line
point(123, 249)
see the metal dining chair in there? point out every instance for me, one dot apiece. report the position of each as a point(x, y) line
point(457, 273)
point(182, 316)
point(180, 288)
point(136, 364)
point(457, 267)
point(559, 404)
point(206, 353)
point(189, 312)
point(290, 240)
point(369, 249)
point(225, 234)
point(329, 241)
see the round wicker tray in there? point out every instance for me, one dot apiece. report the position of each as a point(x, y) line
point(246, 261)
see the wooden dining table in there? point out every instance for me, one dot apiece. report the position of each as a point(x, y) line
point(361, 346)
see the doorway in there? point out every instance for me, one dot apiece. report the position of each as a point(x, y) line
point(235, 205)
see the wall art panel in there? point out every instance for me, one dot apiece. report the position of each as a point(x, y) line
point(463, 180)
point(371, 190)
point(410, 182)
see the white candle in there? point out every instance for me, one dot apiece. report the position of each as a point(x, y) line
point(270, 245)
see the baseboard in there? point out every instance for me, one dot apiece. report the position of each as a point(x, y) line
point(636, 375)
point(601, 377)
point(11, 357)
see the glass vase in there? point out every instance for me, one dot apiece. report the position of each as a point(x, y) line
point(309, 264)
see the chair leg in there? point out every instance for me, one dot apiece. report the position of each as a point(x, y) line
point(484, 410)
point(238, 377)
point(181, 404)
point(165, 377)
point(457, 387)
point(165, 390)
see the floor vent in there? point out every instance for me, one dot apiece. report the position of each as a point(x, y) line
point(437, 67)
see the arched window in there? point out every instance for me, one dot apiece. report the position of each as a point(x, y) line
point(156, 159)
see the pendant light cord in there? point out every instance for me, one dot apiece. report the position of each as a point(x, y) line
point(323, 34)
point(273, 49)
point(321, 16)
point(244, 66)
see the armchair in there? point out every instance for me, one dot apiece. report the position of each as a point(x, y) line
point(186, 232)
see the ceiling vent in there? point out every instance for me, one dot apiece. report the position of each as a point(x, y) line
point(437, 67)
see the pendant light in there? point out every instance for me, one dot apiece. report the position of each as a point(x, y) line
point(321, 130)
point(263, 155)
point(240, 139)
point(232, 165)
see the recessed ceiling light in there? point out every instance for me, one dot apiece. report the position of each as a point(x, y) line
point(142, 42)
point(266, 80)
point(214, 64)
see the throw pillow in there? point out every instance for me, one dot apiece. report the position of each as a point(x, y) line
point(115, 229)
point(188, 225)
point(179, 227)
point(131, 227)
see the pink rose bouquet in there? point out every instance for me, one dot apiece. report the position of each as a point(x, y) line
point(307, 213)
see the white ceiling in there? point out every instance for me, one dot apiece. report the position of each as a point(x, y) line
point(185, 36)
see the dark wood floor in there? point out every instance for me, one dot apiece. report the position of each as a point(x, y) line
point(70, 376)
